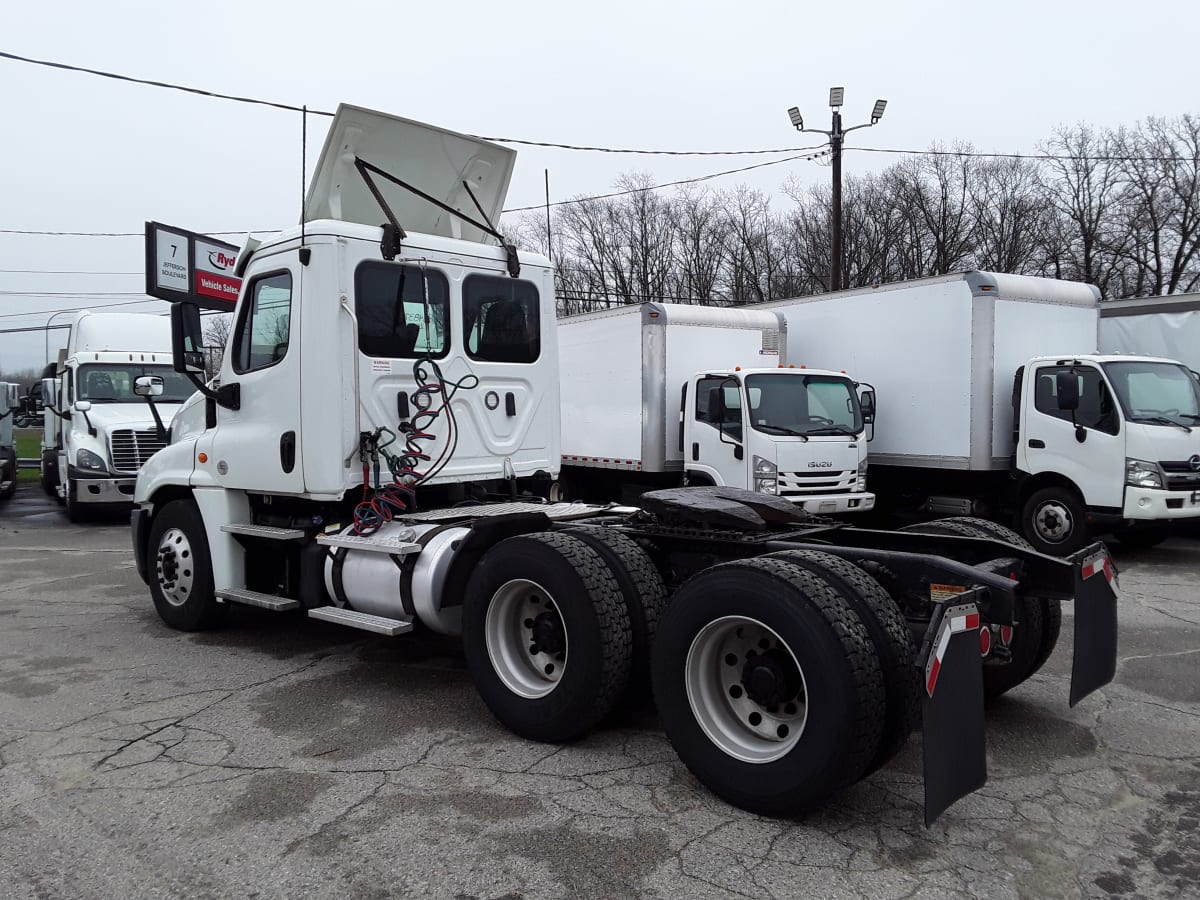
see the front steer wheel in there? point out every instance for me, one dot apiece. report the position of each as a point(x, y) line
point(768, 686)
point(546, 635)
point(180, 569)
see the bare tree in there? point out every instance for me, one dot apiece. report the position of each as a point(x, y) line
point(216, 336)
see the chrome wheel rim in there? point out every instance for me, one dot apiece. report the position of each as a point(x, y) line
point(175, 566)
point(526, 638)
point(746, 689)
point(1053, 522)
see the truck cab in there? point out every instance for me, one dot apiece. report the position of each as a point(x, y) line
point(1107, 441)
point(98, 432)
point(10, 404)
point(796, 432)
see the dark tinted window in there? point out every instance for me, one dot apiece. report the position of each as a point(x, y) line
point(1096, 408)
point(500, 319)
point(265, 329)
point(403, 311)
point(711, 413)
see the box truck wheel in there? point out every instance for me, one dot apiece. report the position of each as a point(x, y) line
point(768, 685)
point(1054, 521)
point(889, 633)
point(1033, 641)
point(181, 580)
point(642, 588)
point(546, 635)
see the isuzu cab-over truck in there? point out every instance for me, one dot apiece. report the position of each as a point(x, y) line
point(996, 403)
point(388, 408)
point(663, 393)
point(98, 433)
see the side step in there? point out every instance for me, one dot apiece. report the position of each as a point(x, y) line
point(365, 621)
point(263, 531)
point(254, 598)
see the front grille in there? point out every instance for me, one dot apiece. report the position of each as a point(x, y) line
point(130, 449)
point(824, 481)
point(1180, 475)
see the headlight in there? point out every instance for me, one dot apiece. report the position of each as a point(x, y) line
point(1140, 473)
point(861, 483)
point(766, 475)
point(86, 459)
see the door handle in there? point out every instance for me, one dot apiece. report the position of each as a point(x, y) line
point(696, 450)
point(1037, 444)
point(287, 451)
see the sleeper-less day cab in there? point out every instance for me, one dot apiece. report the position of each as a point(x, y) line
point(374, 452)
point(9, 405)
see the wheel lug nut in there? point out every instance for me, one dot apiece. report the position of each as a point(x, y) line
point(535, 649)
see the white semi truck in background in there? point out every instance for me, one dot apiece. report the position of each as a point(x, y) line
point(662, 394)
point(10, 404)
point(97, 432)
point(1167, 327)
point(996, 403)
point(388, 409)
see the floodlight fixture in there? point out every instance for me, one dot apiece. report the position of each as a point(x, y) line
point(797, 119)
point(877, 112)
point(835, 96)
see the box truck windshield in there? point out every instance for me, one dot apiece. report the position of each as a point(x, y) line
point(1156, 393)
point(109, 383)
point(783, 404)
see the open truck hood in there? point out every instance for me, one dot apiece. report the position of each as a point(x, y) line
point(431, 159)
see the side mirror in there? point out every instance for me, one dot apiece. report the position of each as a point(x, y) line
point(187, 339)
point(1066, 391)
point(83, 405)
point(866, 400)
point(148, 385)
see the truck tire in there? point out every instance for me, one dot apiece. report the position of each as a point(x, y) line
point(180, 569)
point(889, 633)
point(1040, 618)
point(1054, 521)
point(546, 635)
point(76, 512)
point(775, 732)
point(642, 588)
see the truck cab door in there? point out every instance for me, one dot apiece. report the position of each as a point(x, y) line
point(1048, 438)
point(257, 447)
point(714, 431)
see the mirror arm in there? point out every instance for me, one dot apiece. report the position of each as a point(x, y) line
point(91, 427)
point(159, 428)
point(227, 395)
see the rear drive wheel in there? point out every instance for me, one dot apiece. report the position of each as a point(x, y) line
point(768, 685)
point(546, 635)
point(1055, 521)
point(181, 580)
point(889, 633)
point(642, 588)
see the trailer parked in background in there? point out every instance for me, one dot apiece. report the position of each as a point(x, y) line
point(996, 403)
point(1167, 327)
point(664, 394)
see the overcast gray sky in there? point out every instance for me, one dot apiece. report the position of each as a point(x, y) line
point(81, 153)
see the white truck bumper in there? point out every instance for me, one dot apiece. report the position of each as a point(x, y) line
point(833, 504)
point(1146, 503)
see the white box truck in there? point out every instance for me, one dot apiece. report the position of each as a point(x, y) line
point(660, 394)
point(975, 375)
point(1167, 327)
point(389, 389)
point(98, 433)
point(10, 404)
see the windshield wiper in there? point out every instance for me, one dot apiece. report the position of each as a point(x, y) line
point(782, 429)
point(1163, 420)
point(1192, 416)
point(834, 429)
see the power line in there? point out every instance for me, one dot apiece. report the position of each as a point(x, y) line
point(140, 234)
point(63, 272)
point(46, 312)
point(977, 154)
point(65, 294)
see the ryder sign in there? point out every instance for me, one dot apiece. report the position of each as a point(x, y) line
point(182, 266)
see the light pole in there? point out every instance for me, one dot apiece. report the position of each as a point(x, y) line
point(836, 134)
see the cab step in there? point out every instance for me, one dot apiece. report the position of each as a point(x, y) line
point(255, 598)
point(264, 531)
point(365, 621)
point(369, 543)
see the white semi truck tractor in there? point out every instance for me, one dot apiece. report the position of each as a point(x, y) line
point(98, 432)
point(386, 415)
point(997, 403)
point(663, 394)
point(10, 403)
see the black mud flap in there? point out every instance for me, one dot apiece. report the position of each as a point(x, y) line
point(952, 705)
point(1095, 662)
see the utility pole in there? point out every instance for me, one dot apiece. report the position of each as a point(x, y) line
point(836, 135)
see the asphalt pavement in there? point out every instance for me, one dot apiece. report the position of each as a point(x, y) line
point(283, 757)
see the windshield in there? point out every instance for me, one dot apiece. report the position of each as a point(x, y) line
point(803, 404)
point(1156, 392)
point(104, 383)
